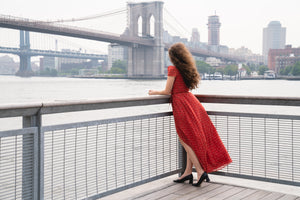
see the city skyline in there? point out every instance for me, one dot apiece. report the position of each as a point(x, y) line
point(241, 25)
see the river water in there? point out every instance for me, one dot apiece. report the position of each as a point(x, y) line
point(40, 89)
point(17, 90)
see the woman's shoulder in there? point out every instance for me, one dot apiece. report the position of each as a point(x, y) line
point(171, 67)
point(172, 71)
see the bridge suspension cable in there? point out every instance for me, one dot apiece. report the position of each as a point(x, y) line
point(178, 24)
point(97, 16)
point(106, 14)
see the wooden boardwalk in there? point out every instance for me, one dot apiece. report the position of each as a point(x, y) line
point(214, 191)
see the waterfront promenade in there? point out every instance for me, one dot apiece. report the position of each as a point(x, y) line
point(98, 158)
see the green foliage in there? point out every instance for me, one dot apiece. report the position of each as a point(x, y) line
point(231, 70)
point(262, 69)
point(48, 72)
point(296, 69)
point(118, 67)
point(221, 70)
point(286, 71)
point(100, 69)
point(203, 67)
point(252, 67)
point(74, 71)
point(291, 70)
point(247, 68)
point(211, 70)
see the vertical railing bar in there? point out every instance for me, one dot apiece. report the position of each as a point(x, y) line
point(227, 136)
point(86, 155)
point(156, 146)
point(265, 146)
point(64, 171)
point(41, 141)
point(163, 143)
point(149, 147)
point(141, 135)
point(16, 156)
point(106, 178)
point(0, 153)
point(52, 165)
point(177, 153)
point(278, 137)
point(124, 152)
point(96, 167)
point(37, 163)
point(170, 138)
point(292, 150)
point(240, 154)
point(252, 146)
point(133, 150)
point(116, 171)
point(75, 160)
point(31, 147)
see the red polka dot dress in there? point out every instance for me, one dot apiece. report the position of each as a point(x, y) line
point(194, 126)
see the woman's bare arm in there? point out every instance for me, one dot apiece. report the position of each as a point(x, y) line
point(167, 90)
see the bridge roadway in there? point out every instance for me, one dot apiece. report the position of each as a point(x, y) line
point(36, 52)
point(78, 32)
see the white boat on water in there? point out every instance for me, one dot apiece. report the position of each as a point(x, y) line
point(269, 74)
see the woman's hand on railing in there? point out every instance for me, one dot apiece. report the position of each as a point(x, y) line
point(152, 92)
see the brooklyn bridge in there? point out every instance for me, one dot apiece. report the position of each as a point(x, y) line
point(146, 52)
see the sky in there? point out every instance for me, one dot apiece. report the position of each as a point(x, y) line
point(242, 22)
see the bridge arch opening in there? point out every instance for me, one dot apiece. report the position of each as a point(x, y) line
point(140, 26)
point(152, 25)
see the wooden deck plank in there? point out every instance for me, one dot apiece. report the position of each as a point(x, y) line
point(161, 193)
point(241, 194)
point(197, 192)
point(189, 188)
point(213, 193)
point(228, 193)
point(170, 196)
point(257, 195)
point(289, 197)
point(273, 195)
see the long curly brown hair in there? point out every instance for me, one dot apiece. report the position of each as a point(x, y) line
point(185, 63)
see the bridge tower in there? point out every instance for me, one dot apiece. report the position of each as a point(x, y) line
point(25, 62)
point(147, 62)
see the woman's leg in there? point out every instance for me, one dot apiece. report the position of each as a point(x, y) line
point(193, 158)
point(189, 167)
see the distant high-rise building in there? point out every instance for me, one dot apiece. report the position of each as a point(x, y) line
point(273, 38)
point(195, 36)
point(213, 30)
point(116, 52)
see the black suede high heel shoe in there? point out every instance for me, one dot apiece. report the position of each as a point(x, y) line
point(188, 177)
point(202, 178)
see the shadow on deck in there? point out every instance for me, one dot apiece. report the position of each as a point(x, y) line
point(219, 188)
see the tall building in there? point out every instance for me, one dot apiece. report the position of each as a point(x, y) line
point(195, 36)
point(273, 38)
point(213, 30)
point(116, 52)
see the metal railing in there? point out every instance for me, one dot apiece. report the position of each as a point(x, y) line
point(97, 158)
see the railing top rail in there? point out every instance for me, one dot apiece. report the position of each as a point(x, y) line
point(73, 106)
point(251, 100)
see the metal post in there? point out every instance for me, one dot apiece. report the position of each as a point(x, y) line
point(31, 172)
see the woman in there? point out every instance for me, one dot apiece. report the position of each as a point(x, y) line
point(196, 132)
